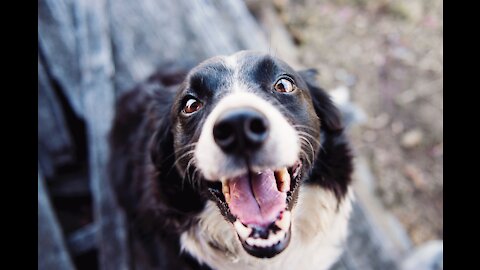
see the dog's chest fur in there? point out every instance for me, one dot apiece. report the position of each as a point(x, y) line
point(319, 228)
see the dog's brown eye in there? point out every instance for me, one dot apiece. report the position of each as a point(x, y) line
point(192, 106)
point(284, 86)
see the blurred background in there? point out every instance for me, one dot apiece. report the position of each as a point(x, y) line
point(381, 60)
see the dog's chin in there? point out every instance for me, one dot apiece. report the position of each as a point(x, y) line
point(259, 205)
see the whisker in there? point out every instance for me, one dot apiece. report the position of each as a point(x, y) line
point(306, 157)
point(187, 171)
point(182, 156)
point(196, 175)
point(179, 150)
point(309, 144)
point(179, 159)
point(310, 136)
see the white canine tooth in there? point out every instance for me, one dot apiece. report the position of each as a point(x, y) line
point(227, 197)
point(283, 178)
point(226, 190)
point(250, 241)
point(225, 186)
point(242, 231)
point(286, 182)
point(284, 222)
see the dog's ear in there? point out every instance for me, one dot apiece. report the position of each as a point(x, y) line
point(329, 115)
point(334, 165)
point(161, 143)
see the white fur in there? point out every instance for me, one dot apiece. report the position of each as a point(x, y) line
point(231, 61)
point(280, 149)
point(318, 232)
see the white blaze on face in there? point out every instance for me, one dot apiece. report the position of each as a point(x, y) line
point(231, 61)
point(280, 149)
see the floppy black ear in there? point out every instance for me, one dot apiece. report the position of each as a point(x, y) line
point(161, 143)
point(329, 115)
point(333, 165)
point(125, 139)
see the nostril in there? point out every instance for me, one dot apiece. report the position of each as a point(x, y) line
point(223, 133)
point(240, 130)
point(258, 126)
point(256, 131)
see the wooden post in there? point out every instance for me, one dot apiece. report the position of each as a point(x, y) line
point(97, 95)
point(52, 251)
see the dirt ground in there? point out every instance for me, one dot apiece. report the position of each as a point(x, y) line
point(389, 54)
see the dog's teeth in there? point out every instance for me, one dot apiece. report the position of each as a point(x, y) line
point(227, 197)
point(283, 180)
point(273, 239)
point(253, 241)
point(296, 170)
point(242, 231)
point(261, 243)
point(226, 190)
point(284, 222)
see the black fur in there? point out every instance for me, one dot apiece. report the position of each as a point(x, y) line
point(333, 166)
point(146, 140)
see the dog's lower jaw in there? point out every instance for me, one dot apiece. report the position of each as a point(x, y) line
point(319, 227)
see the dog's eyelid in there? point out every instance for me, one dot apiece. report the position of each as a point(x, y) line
point(190, 94)
point(281, 82)
point(286, 76)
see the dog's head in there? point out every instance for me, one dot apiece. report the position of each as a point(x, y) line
point(247, 127)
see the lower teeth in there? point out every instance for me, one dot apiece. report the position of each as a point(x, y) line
point(271, 241)
point(274, 236)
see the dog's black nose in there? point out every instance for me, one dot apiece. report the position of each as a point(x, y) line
point(240, 130)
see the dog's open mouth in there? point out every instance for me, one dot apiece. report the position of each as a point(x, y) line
point(259, 206)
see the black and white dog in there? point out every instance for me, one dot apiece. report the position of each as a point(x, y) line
point(241, 163)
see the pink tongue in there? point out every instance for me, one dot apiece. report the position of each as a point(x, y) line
point(260, 207)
